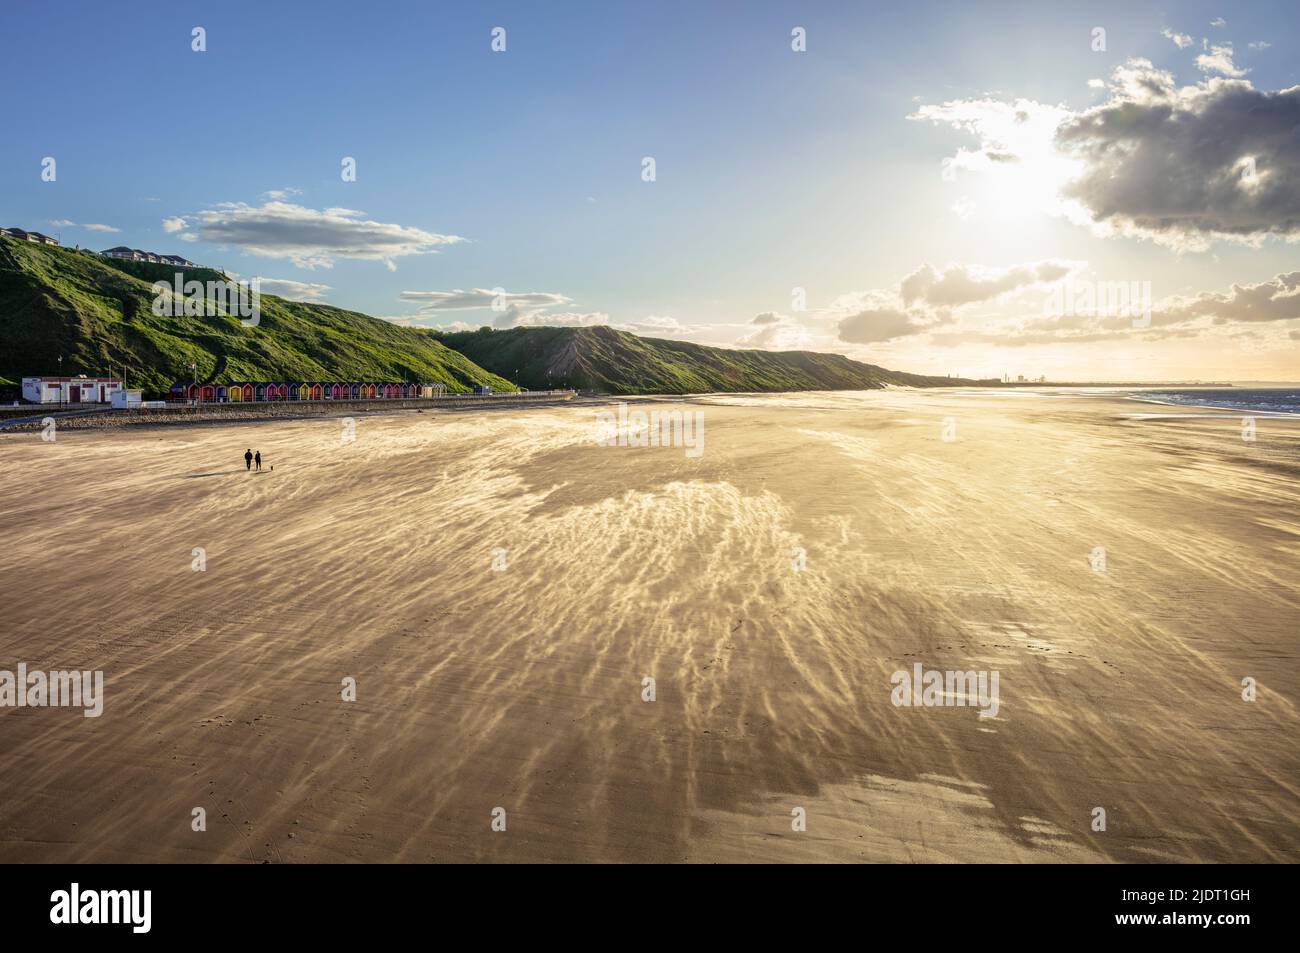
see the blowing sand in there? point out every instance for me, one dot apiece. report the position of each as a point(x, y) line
point(522, 687)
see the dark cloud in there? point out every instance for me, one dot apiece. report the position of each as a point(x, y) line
point(1219, 159)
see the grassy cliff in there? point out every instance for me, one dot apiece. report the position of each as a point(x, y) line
point(616, 362)
point(97, 314)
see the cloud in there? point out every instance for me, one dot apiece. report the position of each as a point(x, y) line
point(959, 285)
point(1181, 40)
point(515, 318)
point(276, 195)
point(768, 317)
point(171, 225)
point(1241, 308)
point(875, 325)
point(963, 208)
point(655, 325)
point(1275, 300)
point(513, 309)
point(91, 227)
point(929, 298)
point(1008, 132)
point(1182, 166)
point(311, 238)
point(294, 290)
point(1259, 45)
point(1218, 59)
point(1218, 160)
point(484, 298)
point(1219, 22)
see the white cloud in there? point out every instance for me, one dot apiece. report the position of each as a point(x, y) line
point(513, 308)
point(1242, 309)
point(171, 225)
point(515, 318)
point(90, 227)
point(294, 290)
point(930, 298)
point(311, 238)
point(1181, 40)
point(958, 285)
point(1219, 60)
point(475, 298)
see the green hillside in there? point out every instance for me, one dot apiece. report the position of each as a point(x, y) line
point(97, 314)
point(617, 362)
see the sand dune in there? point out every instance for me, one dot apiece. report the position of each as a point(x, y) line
point(521, 687)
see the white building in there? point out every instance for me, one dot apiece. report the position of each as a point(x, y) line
point(126, 399)
point(70, 390)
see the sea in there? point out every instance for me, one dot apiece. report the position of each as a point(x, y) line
point(1268, 400)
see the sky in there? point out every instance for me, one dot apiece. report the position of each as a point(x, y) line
point(1091, 191)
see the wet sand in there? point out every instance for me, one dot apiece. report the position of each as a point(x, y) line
point(522, 687)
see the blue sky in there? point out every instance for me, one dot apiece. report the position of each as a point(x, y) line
point(775, 170)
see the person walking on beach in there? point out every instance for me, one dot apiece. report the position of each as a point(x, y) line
point(248, 459)
point(257, 458)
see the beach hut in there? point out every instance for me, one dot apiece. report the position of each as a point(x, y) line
point(259, 392)
point(293, 392)
point(208, 394)
point(334, 392)
point(248, 392)
point(221, 393)
point(316, 392)
point(234, 393)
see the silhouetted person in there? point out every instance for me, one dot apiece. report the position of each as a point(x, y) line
point(248, 459)
point(257, 458)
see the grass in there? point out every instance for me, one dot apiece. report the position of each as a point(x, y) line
point(617, 362)
point(97, 314)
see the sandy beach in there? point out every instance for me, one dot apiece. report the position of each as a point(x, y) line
point(500, 587)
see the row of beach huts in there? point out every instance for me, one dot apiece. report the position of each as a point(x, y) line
point(246, 392)
point(106, 390)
